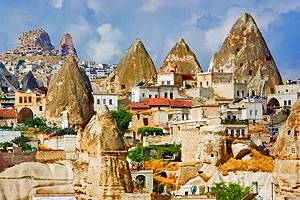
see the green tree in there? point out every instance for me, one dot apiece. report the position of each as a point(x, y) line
point(35, 122)
point(123, 118)
point(230, 191)
point(21, 141)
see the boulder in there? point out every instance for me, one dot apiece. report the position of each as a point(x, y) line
point(21, 181)
point(245, 54)
point(181, 59)
point(101, 171)
point(68, 90)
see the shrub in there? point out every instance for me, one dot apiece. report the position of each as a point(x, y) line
point(123, 118)
point(230, 191)
point(150, 131)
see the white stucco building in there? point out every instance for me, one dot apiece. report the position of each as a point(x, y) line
point(108, 99)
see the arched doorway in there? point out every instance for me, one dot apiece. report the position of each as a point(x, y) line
point(25, 113)
point(141, 179)
point(273, 103)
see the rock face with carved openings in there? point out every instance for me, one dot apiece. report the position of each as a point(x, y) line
point(245, 53)
point(67, 46)
point(286, 152)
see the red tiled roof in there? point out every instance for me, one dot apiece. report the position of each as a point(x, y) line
point(180, 104)
point(138, 105)
point(8, 113)
point(158, 101)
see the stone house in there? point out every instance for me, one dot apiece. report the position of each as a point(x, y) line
point(140, 93)
point(30, 103)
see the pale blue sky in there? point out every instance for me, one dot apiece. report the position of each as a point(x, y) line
point(102, 30)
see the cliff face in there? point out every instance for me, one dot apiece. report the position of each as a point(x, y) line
point(36, 38)
point(101, 171)
point(68, 90)
point(66, 45)
point(245, 53)
point(135, 65)
point(286, 152)
point(182, 58)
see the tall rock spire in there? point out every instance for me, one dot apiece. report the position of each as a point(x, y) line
point(68, 90)
point(182, 58)
point(286, 152)
point(245, 53)
point(135, 65)
point(66, 45)
point(101, 171)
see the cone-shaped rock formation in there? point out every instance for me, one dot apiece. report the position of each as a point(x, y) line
point(7, 80)
point(68, 91)
point(67, 46)
point(29, 82)
point(286, 151)
point(245, 53)
point(182, 58)
point(101, 171)
point(135, 65)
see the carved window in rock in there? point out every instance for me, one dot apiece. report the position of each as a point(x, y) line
point(145, 121)
point(289, 132)
point(293, 150)
point(142, 180)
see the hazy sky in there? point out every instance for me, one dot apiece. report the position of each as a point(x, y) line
point(102, 30)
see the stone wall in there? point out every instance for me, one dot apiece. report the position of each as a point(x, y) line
point(11, 159)
point(148, 175)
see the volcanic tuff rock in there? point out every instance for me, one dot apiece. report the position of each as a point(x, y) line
point(182, 58)
point(66, 45)
point(101, 171)
point(286, 151)
point(23, 180)
point(29, 82)
point(34, 41)
point(7, 80)
point(135, 65)
point(245, 53)
point(68, 91)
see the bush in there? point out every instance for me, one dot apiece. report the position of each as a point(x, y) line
point(35, 122)
point(21, 141)
point(123, 118)
point(230, 191)
point(150, 131)
point(140, 153)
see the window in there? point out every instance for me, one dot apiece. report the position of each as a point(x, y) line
point(29, 100)
point(238, 93)
point(286, 90)
point(145, 121)
point(255, 113)
point(284, 103)
point(20, 100)
point(231, 132)
point(168, 82)
point(171, 95)
point(166, 95)
point(242, 93)
point(250, 112)
point(41, 108)
point(163, 82)
point(156, 96)
point(104, 101)
point(138, 116)
point(110, 101)
point(206, 83)
point(212, 155)
point(250, 72)
point(238, 133)
point(289, 102)
point(25, 99)
point(243, 132)
point(98, 101)
point(200, 84)
point(289, 132)
point(143, 94)
point(150, 96)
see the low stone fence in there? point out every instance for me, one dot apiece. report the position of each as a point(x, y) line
point(11, 159)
